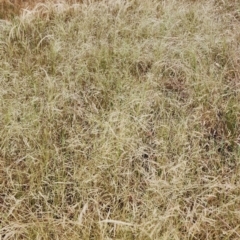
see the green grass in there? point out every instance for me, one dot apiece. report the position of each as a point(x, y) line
point(120, 120)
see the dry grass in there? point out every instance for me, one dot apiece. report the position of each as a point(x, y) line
point(120, 120)
point(10, 8)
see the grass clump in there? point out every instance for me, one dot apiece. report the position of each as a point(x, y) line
point(120, 120)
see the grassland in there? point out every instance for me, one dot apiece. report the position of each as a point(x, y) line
point(120, 120)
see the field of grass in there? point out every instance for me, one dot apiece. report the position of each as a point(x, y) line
point(119, 119)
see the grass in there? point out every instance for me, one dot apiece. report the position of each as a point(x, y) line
point(120, 120)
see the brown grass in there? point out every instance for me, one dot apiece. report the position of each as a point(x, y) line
point(121, 120)
point(12, 8)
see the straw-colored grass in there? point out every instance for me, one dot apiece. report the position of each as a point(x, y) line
point(10, 8)
point(120, 120)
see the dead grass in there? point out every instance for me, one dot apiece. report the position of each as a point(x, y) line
point(11, 8)
point(120, 120)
